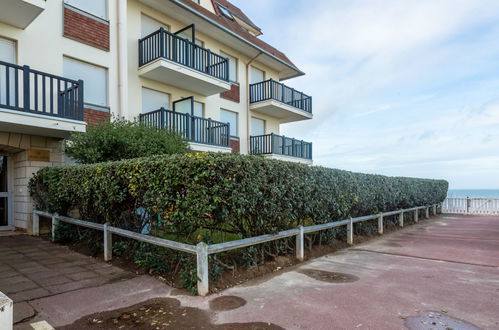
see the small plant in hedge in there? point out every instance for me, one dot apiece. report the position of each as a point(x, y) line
point(121, 139)
point(151, 257)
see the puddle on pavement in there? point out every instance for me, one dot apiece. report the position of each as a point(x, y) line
point(330, 277)
point(391, 244)
point(159, 314)
point(226, 303)
point(437, 321)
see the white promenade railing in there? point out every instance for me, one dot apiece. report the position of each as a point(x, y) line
point(203, 250)
point(472, 206)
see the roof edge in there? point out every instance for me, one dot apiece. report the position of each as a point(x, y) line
point(299, 72)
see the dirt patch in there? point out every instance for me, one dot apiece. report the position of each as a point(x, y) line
point(437, 321)
point(156, 314)
point(226, 303)
point(241, 275)
point(330, 277)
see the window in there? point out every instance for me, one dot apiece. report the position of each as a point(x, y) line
point(7, 50)
point(199, 43)
point(154, 100)
point(149, 25)
point(257, 75)
point(232, 66)
point(198, 109)
point(7, 54)
point(257, 126)
point(230, 117)
point(225, 11)
point(94, 78)
point(94, 7)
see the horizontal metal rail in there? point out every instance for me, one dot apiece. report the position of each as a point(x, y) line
point(203, 250)
point(154, 240)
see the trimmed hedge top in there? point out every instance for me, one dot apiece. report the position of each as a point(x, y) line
point(235, 194)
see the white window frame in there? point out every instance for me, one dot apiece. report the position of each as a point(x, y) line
point(87, 82)
point(234, 129)
point(77, 4)
point(166, 106)
point(264, 125)
point(160, 24)
point(234, 60)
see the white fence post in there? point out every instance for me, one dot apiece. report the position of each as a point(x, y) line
point(380, 224)
point(434, 209)
point(401, 219)
point(300, 244)
point(36, 225)
point(6, 312)
point(202, 268)
point(55, 223)
point(416, 215)
point(350, 232)
point(108, 243)
point(427, 212)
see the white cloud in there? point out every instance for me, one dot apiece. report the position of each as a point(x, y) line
point(400, 87)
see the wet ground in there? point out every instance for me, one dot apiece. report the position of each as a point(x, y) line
point(442, 273)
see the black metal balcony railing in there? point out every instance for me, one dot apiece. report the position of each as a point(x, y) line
point(280, 145)
point(163, 44)
point(273, 90)
point(27, 90)
point(195, 129)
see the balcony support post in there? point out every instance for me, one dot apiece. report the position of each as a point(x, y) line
point(26, 88)
point(80, 99)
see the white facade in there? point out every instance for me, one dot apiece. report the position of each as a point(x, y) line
point(97, 41)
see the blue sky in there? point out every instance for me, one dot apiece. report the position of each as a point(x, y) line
point(400, 87)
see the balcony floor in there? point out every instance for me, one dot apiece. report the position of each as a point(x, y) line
point(36, 124)
point(171, 73)
point(285, 113)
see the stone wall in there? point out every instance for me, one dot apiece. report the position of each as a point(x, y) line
point(23, 162)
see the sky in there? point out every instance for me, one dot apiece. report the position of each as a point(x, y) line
point(399, 87)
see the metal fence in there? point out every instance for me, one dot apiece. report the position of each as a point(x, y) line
point(203, 250)
point(280, 145)
point(471, 206)
point(27, 90)
point(273, 90)
point(164, 44)
point(193, 128)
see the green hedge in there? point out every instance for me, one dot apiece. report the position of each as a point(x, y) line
point(226, 195)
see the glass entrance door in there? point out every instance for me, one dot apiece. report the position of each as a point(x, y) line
point(4, 193)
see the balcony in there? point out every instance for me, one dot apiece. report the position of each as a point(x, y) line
point(203, 134)
point(281, 147)
point(20, 13)
point(280, 101)
point(173, 60)
point(39, 103)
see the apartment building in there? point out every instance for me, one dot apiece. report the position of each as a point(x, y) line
point(198, 67)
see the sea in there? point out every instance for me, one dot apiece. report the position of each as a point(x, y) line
point(487, 193)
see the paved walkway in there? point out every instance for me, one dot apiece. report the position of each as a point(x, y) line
point(444, 270)
point(32, 268)
point(441, 273)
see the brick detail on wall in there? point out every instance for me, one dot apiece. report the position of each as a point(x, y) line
point(235, 145)
point(86, 29)
point(232, 94)
point(93, 117)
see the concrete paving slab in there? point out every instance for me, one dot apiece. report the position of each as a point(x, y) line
point(63, 309)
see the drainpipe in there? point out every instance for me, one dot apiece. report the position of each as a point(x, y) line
point(122, 59)
point(248, 116)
